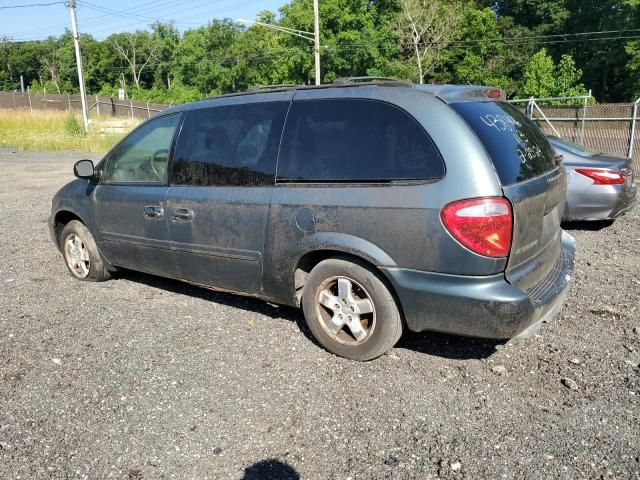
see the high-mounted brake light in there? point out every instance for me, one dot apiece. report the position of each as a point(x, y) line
point(483, 225)
point(602, 176)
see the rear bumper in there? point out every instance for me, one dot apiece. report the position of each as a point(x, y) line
point(488, 306)
point(600, 202)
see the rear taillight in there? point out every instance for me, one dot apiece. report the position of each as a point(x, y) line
point(602, 176)
point(483, 225)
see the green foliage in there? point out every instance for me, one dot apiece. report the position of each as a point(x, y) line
point(633, 64)
point(491, 42)
point(539, 80)
point(72, 126)
point(177, 93)
point(543, 78)
point(482, 62)
point(568, 77)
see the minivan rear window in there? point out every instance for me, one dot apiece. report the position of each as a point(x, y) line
point(355, 140)
point(516, 145)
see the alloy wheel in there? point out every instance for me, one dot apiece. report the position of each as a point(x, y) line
point(346, 311)
point(77, 256)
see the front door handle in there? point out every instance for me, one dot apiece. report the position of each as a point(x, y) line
point(153, 212)
point(181, 214)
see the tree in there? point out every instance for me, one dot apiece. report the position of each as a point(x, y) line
point(357, 38)
point(167, 38)
point(567, 78)
point(204, 57)
point(541, 16)
point(539, 75)
point(633, 64)
point(57, 62)
point(50, 62)
point(601, 56)
point(543, 78)
point(427, 25)
point(480, 58)
point(138, 49)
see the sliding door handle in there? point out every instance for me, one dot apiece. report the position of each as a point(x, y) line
point(153, 212)
point(181, 214)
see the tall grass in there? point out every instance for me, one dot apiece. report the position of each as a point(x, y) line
point(52, 130)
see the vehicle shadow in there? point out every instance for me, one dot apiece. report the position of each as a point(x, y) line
point(229, 299)
point(593, 226)
point(453, 347)
point(430, 343)
point(270, 469)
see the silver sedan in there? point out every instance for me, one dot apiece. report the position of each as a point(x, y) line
point(600, 187)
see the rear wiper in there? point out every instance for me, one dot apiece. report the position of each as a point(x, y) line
point(557, 160)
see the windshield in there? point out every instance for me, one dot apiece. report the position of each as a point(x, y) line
point(518, 148)
point(574, 148)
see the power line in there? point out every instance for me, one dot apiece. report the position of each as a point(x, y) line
point(98, 8)
point(154, 6)
point(99, 19)
point(179, 21)
point(32, 5)
point(529, 40)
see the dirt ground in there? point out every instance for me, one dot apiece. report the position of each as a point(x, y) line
point(145, 378)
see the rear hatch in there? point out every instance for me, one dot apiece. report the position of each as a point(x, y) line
point(531, 179)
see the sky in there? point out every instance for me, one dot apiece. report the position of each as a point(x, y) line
point(101, 18)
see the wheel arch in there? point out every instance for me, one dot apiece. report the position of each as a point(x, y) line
point(323, 245)
point(61, 219)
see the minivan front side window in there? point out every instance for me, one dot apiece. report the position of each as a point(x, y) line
point(355, 140)
point(142, 156)
point(229, 145)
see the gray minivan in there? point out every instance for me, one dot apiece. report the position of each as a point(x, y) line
point(376, 206)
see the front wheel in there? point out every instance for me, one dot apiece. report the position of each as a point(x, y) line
point(350, 311)
point(81, 253)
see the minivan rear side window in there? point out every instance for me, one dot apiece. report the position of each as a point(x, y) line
point(355, 140)
point(229, 145)
point(518, 148)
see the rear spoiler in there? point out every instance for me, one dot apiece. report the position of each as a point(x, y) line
point(464, 92)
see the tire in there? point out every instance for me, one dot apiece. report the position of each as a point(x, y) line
point(81, 253)
point(350, 311)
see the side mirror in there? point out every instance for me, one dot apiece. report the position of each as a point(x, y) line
point(84, 169)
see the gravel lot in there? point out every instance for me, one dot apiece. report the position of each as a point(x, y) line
point(145, 378)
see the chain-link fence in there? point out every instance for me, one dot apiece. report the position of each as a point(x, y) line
point(605, 127)
point(99, 106)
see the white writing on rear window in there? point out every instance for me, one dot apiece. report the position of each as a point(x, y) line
point(526, 151)
point(501, 122)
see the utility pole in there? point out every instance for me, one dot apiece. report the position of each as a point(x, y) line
point(76, 41)
point(310, 36)
point(316, 36)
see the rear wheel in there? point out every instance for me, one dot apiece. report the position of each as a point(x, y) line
point(350, 311)
point(81, 253)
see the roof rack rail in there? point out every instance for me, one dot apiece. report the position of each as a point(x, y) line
point(369, 79)
point(257, 88)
